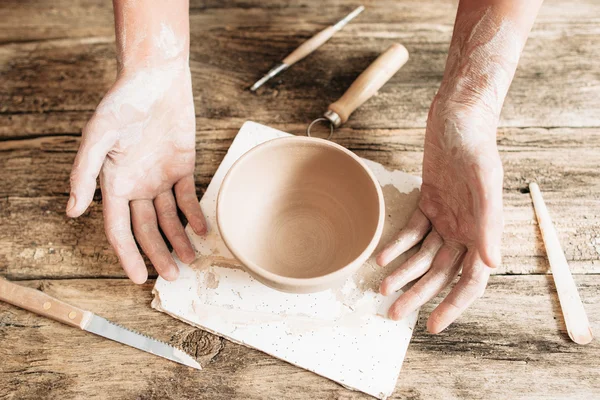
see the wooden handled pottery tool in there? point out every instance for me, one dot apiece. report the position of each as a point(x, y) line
point(576, 319)
point(307, 47)
point(47, 306)
point(364, 87)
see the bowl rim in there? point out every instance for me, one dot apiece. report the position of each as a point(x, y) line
point(305, 283)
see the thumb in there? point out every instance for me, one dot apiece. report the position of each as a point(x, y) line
point(88, 162)
point(490, 218)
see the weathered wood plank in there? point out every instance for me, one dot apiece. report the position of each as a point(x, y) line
point(31, 21)
point(38, 241)
point(57, 60)
point(510, 344)
point(555, 85)
point(560, 159)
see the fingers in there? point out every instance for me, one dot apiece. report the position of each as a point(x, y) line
point(185, 192)
point(146, 232)
point(410, 235)
point(489, 211)
point(117, 225)
point(414, 267)
point(471, 285)
point(166, 209)
point(90, 157)
point(445, 267)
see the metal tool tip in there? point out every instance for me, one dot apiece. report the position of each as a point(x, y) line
point(256, 85)
point(274, 71)
point(344, 21)
point(186, 359)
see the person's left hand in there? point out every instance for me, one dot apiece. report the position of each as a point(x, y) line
point(460, 213)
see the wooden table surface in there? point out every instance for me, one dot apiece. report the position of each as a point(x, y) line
point(57, 59)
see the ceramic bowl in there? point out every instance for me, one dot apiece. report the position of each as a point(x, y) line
point(301, 214)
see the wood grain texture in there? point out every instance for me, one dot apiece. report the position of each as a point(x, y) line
point(57, 59)
point(232, 45)
point(38, 241)
point(492, 352)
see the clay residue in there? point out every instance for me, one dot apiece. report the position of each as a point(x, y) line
point(398, 209)
point(211, 280)
point(204, 262)
point(204, 266)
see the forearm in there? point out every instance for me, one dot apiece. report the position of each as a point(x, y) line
point(151, 33)
point(488, 38)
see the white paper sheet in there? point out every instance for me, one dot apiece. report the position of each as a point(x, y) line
point(341, 334)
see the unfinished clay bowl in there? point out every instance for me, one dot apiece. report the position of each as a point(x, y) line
point(301, 214)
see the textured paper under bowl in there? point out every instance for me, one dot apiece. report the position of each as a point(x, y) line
point(340, 334)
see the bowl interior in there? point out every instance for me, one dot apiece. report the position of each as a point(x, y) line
point(298, 208)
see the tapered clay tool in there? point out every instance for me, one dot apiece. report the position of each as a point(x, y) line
point(364, 87)
point(47, 306)
point(307, 47)
point(576, 320)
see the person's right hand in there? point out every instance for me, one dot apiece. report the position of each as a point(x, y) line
point(141, 140)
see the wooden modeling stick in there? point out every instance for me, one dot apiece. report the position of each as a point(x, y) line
point(576, 319)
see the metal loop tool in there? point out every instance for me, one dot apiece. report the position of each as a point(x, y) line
point(331, 127)
point(363, 88)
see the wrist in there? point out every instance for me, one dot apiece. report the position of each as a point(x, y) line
point(469, 120)
point(151, 34)
point(482, 60)
point(135, 66)
point(157, 52)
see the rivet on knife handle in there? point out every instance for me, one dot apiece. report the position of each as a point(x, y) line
point(42, 304)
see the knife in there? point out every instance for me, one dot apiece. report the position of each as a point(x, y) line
point(43, 304)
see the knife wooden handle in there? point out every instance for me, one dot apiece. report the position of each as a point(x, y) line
point(370, 81)
point(42, 304)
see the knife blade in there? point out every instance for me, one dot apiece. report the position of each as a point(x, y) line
point(110, 330)
point(47, 306)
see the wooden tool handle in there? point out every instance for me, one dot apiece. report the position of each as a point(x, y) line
point(576, 319)
point(40, 303)
point(370, 81)
point(310, 45)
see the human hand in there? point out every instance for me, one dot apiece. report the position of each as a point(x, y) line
point(141, 141)
point(460, 209)
point(459, 214)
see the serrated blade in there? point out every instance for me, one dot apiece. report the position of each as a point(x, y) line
point(118, 333)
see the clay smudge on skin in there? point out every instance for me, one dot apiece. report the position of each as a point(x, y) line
point(168, 43)
point(480, 66)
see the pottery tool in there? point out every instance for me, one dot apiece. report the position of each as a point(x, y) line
point(364, 87)
point(576, 320)
point(341, 334)
point(307, 47)
point(47, 306)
